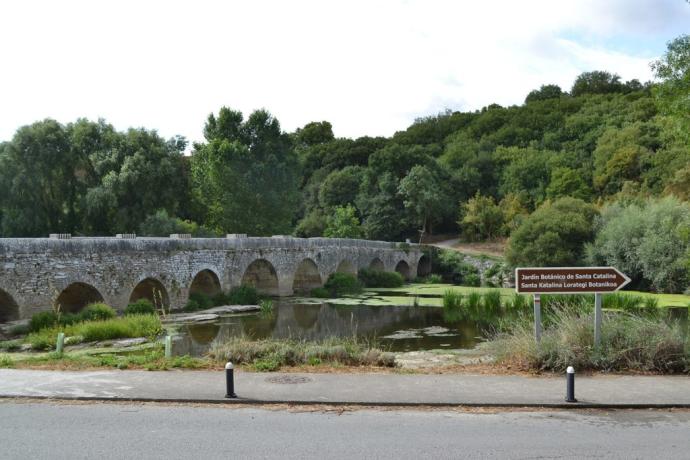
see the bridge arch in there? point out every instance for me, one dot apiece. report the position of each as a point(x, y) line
point(404, 269)
point(76, 296)
point(377, 265)
point(9, 310)
point(262, 275)
point(424, 265)
point(346, 266)
point(306, 277)
point(151, 289)
point(205, 282)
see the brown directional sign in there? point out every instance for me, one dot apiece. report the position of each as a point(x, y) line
point(573, 280)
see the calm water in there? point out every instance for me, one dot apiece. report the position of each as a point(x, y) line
point(395, 328)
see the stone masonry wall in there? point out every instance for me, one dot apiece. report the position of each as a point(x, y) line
point(34, 271)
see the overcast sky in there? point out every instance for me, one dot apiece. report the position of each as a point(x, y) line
point(369, 67)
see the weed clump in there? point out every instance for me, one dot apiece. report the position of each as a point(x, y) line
point(628, 342)
point(270, 355)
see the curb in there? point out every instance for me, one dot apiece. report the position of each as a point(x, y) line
point(267, 402)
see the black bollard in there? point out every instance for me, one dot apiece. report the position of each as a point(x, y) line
point(229, 381)
point(570, 391)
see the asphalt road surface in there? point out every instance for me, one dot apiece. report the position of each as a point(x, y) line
point(100, 431)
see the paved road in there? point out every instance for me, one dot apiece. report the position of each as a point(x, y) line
point(45, 430)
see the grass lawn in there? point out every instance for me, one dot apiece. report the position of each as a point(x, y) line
point(665, 300)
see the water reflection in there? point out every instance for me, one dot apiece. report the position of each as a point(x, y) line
point(402, 328)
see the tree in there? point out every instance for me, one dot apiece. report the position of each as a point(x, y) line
point(481, 218)
point(340, 187)
point(673, 94)
point(423, 197)
point(139, 174)
point(554, 235)
point(544, 92)
point(383, 207)
point(314, 133)
point(343, 223)
point(245, 176)
point(646, 241)
point(568, 182)
point(597, 82)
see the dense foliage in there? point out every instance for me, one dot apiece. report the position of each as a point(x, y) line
point(480, 174)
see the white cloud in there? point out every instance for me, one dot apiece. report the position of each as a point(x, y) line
point(368, 67)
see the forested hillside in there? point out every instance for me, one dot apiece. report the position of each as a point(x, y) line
point(595, 173)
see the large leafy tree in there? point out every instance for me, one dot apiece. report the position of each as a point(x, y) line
point(674, 91)
point(554, 235)
point(245, 176)
point(424, 197)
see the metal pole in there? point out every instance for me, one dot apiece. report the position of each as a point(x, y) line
point(597, 319)
point(570, 385)
point(537, 317)
point(229, 381)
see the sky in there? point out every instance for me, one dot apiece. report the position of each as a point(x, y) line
point(369, 67)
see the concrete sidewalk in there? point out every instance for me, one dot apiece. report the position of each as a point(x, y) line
point(367, 389)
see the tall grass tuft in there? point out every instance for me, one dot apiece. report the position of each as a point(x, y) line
point(628, 342)
point(452, 300)
point(270, 355)
point(93, 331)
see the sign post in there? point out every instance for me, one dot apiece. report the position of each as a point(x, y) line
point(537, 317)
point(569, 280)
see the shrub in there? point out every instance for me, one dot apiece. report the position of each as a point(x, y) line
point(553, 235)
point(433, 279)
point(42, 320)
point(191, 306)
point(452, 300)
point(243, 295)
point(221, 298)
point(320, 293)
point(471, 279)
point(378, 278)
point(339, 284)
point(202, 300)
point(140, 307)
point(96, 311)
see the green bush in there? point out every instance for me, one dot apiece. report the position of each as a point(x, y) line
point(471, 279)
point(42, 320)
point(97, 311)
point(554, 235)
point(140, 307)
point(243, 295)
point(202, 300)
point(266, 305)
point(221, 298)
point(320, 293)
point(378, 278)
point(339, 284)
point(191, 306)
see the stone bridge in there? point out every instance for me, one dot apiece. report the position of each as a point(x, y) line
point(38, 273)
